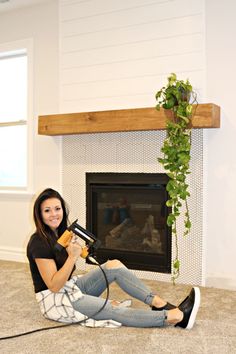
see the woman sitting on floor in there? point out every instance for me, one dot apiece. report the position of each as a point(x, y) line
point(67, 298)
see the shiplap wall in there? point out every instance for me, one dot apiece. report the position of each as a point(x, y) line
point(117, 54)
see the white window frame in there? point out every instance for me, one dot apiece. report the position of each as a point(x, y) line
point(17, 46)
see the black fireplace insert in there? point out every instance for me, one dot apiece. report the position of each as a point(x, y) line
point(127, 212)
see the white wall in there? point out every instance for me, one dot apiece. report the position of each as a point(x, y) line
point(221, 144)
point(117, 54)
point(40, 23)
point(127, 74)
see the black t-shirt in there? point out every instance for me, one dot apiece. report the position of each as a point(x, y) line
point(39, 247)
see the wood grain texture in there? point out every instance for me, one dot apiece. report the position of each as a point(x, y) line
point(137, 119)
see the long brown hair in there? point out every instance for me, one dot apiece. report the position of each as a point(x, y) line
point(42, 229)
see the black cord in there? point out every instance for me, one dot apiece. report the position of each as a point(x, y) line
point(68, 324)
point(36, 330)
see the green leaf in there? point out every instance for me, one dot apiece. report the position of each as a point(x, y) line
point(170, 219)
point(176, 264)
point(169, 203)
point(189, 109)
point(188, 224)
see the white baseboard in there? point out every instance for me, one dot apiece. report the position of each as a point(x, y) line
point(13, 254)
point(221, 282)
point(17, 254)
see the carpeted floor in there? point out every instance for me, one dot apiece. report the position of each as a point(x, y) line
point(214, 331)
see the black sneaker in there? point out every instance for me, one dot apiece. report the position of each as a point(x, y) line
point(190, 307)
point(167, 307)
point(190, 294)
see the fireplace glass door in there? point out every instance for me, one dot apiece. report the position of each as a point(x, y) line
point(127, 212)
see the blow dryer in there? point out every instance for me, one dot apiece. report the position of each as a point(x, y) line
point(92, 243)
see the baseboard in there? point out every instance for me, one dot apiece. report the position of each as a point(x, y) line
point(13, 254)
point(221, 282)
point(18, 255)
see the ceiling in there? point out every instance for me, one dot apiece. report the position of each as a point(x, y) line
point(11, 5)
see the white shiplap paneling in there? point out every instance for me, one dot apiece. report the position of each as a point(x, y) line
point(73, 9)
point(117, 54)
point(79, 20)
point(151, 48)
point(140, 67)
point(170, 28)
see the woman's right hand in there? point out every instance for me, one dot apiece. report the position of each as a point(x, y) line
point(55, 279)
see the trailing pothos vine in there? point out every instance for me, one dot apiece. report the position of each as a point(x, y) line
point(177, 96)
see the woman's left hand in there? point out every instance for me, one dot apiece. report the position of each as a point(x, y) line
point(74, 248)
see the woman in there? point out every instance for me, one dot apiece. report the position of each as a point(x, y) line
point(66, 298)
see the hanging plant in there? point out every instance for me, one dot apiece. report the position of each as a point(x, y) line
point(178, 97)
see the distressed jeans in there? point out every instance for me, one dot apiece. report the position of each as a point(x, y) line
point(92, 286)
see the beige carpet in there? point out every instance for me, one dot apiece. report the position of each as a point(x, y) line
point(214, 331)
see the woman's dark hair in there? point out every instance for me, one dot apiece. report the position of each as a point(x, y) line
point(42, 229)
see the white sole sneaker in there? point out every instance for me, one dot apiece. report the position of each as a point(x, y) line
point(197, 300)
point(189, 306)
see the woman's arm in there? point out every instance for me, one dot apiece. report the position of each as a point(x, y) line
point(56, 279)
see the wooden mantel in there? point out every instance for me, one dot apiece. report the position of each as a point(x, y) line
point(206, 116)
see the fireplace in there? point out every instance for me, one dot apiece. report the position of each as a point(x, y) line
point(127, 212)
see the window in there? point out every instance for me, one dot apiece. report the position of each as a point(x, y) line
point(14, 119)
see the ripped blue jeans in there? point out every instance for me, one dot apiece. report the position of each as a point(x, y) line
point(93, 284)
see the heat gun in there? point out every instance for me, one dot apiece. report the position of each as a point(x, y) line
point(92, 243)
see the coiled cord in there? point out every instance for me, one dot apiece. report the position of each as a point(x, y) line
point(67, 324)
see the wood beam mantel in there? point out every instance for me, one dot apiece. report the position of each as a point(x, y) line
point(205, 116)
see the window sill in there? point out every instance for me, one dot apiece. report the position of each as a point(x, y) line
point(8, 194)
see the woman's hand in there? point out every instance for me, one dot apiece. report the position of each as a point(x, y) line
point(74, 249)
